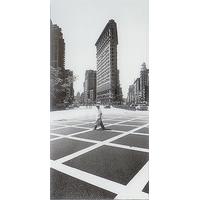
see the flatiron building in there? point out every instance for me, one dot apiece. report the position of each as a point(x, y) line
point(108, 85)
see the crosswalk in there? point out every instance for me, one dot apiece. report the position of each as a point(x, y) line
point(95, 156)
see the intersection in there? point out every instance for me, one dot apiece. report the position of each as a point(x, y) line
point(111, 164)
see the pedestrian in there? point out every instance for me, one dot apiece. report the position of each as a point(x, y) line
point(99, 118)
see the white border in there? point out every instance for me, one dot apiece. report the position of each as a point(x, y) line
point(174, 95)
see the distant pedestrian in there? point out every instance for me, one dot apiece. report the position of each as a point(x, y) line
point(99, 118)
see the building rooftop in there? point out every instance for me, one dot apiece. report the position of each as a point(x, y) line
point(110, 23)
point(143, 68)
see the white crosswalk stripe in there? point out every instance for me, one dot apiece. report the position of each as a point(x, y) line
point(133, 190)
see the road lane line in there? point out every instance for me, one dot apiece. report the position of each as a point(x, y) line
point(134, 188)
point(128, 147)
point(86, 150)
point(97, 141)
point(89, 178)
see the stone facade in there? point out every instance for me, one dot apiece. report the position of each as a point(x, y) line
point(139, 91)
point(144, 83)
point(108, 86)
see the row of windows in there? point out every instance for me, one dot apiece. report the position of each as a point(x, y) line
point(107, 35)
point(103, 92)
point(104, 37)
point(108, 72)
point(106, 50)
point(109, 43)
point(103, 54)
point(105, 63)
point(103, 83)
point(102, 63)
point(103, 76)
point(106, 59)
point(99, 64)
point(111, 47)
point(104, 68)
point(104, 87)
point(105, 80)
point(102, 46)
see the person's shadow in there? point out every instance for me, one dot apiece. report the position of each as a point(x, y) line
point(106, 129)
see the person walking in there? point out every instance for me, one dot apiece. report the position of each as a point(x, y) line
point(99, 118)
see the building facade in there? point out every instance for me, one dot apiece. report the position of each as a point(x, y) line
point(144, 83)
point(57, 67)
point(134, 93)
point(108, 85)
point(130, 96)
point(57, 47)
point(82, 98)
point(90, 87)
point(139, 91)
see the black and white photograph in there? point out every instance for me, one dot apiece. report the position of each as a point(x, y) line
point(99, 99)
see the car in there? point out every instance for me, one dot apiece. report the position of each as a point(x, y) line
point(71, 106)
point(132, 107)
point(107, 106)
point(142, 107)
point(76, 105)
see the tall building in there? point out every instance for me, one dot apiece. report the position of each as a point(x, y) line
point(90, 87)
point(119, 95)
point(130, 96)
point(69, 86)
point(137, 91)
point(134, 93)
point(57, 67)
point(57, 47)
point(108, 86)
point(82, 98)
point(144, 83)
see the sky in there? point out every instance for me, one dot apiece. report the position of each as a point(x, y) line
point(82, 21)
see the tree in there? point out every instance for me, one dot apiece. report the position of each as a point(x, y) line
point(57, 87)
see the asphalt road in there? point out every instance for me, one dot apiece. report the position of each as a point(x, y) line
point(88, 164)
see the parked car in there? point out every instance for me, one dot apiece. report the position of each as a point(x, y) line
point(142, 107)
point(75, 105)
point(107, 106)
point(132, 107)
point(71, 106)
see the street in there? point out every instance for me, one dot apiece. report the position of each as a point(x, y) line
point(110, 164)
